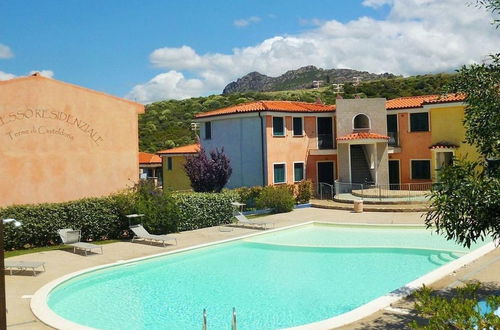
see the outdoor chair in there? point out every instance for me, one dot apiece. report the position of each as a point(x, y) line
point(23, 265)
point(72, 238)
point(141, 233)
point(243, 220)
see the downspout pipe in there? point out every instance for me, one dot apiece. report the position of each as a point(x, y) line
point(262, 149)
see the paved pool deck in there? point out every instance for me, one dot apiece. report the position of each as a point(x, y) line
point(60, 262)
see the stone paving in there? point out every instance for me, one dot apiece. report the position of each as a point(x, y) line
point(58, 263)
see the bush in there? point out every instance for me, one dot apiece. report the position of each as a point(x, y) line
point(248, 196)
point(460, 311)
point(208, 174)
point(199, 210)
point(98, 218)
point(159, 208)
point(277, 198)
point(304, 192)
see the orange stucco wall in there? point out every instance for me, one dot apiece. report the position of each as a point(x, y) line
point(414, 145)
point(62, 142)
point(292, 149)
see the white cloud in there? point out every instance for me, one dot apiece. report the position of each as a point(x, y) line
point(418, 36)
point(243, 22)
point(45, 73)
point(6, 76)
point(5, 52)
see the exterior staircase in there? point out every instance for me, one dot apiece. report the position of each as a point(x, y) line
point(360, 172)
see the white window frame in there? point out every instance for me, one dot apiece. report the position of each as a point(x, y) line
point(284, 125)
point(293, 128)
point(303, 171)
point(274, 181)
point(430, 168)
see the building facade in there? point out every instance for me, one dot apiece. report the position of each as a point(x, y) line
point(61, 142)
point(173, 160)
point(405, 140)
point(150, 168)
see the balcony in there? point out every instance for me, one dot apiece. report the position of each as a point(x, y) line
point(325, 141)
point(393, 139)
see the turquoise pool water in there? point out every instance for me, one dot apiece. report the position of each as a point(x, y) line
point(276, 280)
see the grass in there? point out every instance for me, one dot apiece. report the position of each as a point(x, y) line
point(15, 253)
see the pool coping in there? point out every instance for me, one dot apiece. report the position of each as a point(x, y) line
point(42, 311)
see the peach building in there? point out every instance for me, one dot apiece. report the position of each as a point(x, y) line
point(62, 142)
point(400, 141)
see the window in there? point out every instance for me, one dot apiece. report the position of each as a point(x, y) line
point(361, 121)
point(298, 126)
point(420, 169)
point(298, 172)
point(169, 163)
point(279, 173)
point(208, 130)
point(419, 122)
point(278, 126)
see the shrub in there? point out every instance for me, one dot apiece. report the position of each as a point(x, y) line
point(277, 198)
point(304, 192)
point(460, 311)
point(199, 210)
point(249, 195)
point(98, 218)
point(208, 174)
point(159, 208)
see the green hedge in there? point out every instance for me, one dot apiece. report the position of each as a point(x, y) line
point(302, 192)
point(98, 218)
point(279, 199)
point(104, 217)
point(200, 210)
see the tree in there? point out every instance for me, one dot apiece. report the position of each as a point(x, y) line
point(465, 205)
point(208, 173)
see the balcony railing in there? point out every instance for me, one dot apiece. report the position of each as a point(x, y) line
point(325, 141)
point(393, 139)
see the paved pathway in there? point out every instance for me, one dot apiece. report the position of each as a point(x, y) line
point(58, 263)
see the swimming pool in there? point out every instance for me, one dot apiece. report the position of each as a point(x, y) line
point(282, 279)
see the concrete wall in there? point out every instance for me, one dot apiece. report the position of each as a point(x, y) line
point(374, 108)
point(175, 179)
point(343, 158)
point(241, 139)
point(62, 142)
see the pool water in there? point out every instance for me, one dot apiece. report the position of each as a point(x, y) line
point(276, 280)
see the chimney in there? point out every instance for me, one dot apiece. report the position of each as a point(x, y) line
point(339, 97)
point(318, 100)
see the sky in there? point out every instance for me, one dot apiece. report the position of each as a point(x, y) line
point(161, 49)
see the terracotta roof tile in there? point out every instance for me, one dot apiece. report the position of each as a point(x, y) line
point(189, 149)
point(145, 158)
point(443, 145)
point(283, 106)
point(419, 101)
point(359, 136)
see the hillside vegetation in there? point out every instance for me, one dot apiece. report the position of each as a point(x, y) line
point(167, 124)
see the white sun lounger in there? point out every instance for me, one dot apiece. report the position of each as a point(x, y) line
point(72, 237)
point(23, 265)
point(242, 219)
point(141, 233)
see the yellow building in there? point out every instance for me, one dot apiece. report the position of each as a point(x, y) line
point(173, 160)
point(448, 135)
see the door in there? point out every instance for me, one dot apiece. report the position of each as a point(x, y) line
point(325, 133)
point(394, 174)
point(325, 175)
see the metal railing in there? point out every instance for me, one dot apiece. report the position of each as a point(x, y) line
point(233, 320)
point(325, 191)
point(393, 139)
point(204, 326)
point(413, 192)
point(325, 141)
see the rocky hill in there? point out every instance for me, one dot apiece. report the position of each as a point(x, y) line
point(299, 79)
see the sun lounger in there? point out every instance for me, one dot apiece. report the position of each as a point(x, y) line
point(72, 237)
point(24, 265)
point(141, 233)
point(242, 219)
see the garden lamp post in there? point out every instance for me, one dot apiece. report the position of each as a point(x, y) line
point(3, 303)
